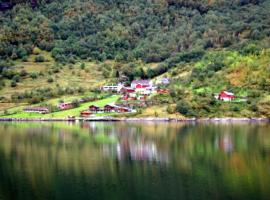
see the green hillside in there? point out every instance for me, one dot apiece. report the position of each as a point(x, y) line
point(62, 49)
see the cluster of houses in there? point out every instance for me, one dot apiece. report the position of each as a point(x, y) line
point(106, 109)
point(138, 89)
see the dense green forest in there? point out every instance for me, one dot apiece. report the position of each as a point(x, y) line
point(205, 46)
point(151, 30)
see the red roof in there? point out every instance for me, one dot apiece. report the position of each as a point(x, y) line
point(226, 94)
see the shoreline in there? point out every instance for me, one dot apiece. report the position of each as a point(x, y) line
point(137, 119)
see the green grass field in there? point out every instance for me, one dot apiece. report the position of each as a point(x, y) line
point(65, 113)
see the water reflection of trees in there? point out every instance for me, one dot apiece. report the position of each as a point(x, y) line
point(235, 155)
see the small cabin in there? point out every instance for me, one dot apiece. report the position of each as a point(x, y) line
point(65, 106)
point(85, 113)
point(163, 81)
point(127, 90)
point(226, 96)
point(163, 91)
point(41, 110)
point(94, 109)
point(109, 108)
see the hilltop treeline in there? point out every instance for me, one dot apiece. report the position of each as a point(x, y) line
point(125, 30)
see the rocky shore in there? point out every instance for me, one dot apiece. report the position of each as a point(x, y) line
point(153, 119)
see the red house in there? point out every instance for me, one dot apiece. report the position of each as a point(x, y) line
point(163, 91)
point(141, 84)
point(127, 90)
point(85, 113)
point(226, 96)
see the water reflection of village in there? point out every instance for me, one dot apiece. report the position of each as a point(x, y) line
point(235, 154)
point(162, 142)
point(131, 142)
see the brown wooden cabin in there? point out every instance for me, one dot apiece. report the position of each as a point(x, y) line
point(94, 109)
point(122, 110)
point(109, 108)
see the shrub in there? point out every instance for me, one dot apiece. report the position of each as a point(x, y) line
point(82, 66)
point(39, 59)
point(16, 78)
point(25, 59)
point(36, 51)
point(13, 84)
point(170, 109)
point(185, 109)
point(23, 73)
point(76, 103)
point(33, 75)
point(50, 80)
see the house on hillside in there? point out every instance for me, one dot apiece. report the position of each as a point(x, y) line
point(109, 108)
point(163, 81)
point(163, 91)
point(225, 96)
point(143, 87)
point(94, 108)
point(65, 106)
point(41, 110)
point(115, 88)
point(117, 108)
point(85, 113)
point(127, 90)
point(138, 84)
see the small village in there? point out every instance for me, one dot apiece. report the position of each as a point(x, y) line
point(138, 91)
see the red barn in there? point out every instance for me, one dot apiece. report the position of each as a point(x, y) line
point(226, 96)
point(85, 113)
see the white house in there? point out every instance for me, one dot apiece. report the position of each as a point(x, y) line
point(163, 81)
point(116, 88)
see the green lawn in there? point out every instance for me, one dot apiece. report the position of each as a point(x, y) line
point(65, 113)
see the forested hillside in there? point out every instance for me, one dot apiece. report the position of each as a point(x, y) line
point(151, 30)
point(192, 41)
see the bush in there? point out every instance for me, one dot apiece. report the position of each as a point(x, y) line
point(33, 75)
point(16, 78)
point(82, 66)
point(13, 84)
point(170, 109)
point(76, 103)
point(185, 109)
point(23, 73)
point(39, 59)
point(25, 59)
point(50, 80)
point(36, 51)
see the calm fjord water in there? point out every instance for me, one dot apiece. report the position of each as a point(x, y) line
point(134, 161)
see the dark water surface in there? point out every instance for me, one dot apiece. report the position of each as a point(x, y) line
point(134, 161)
